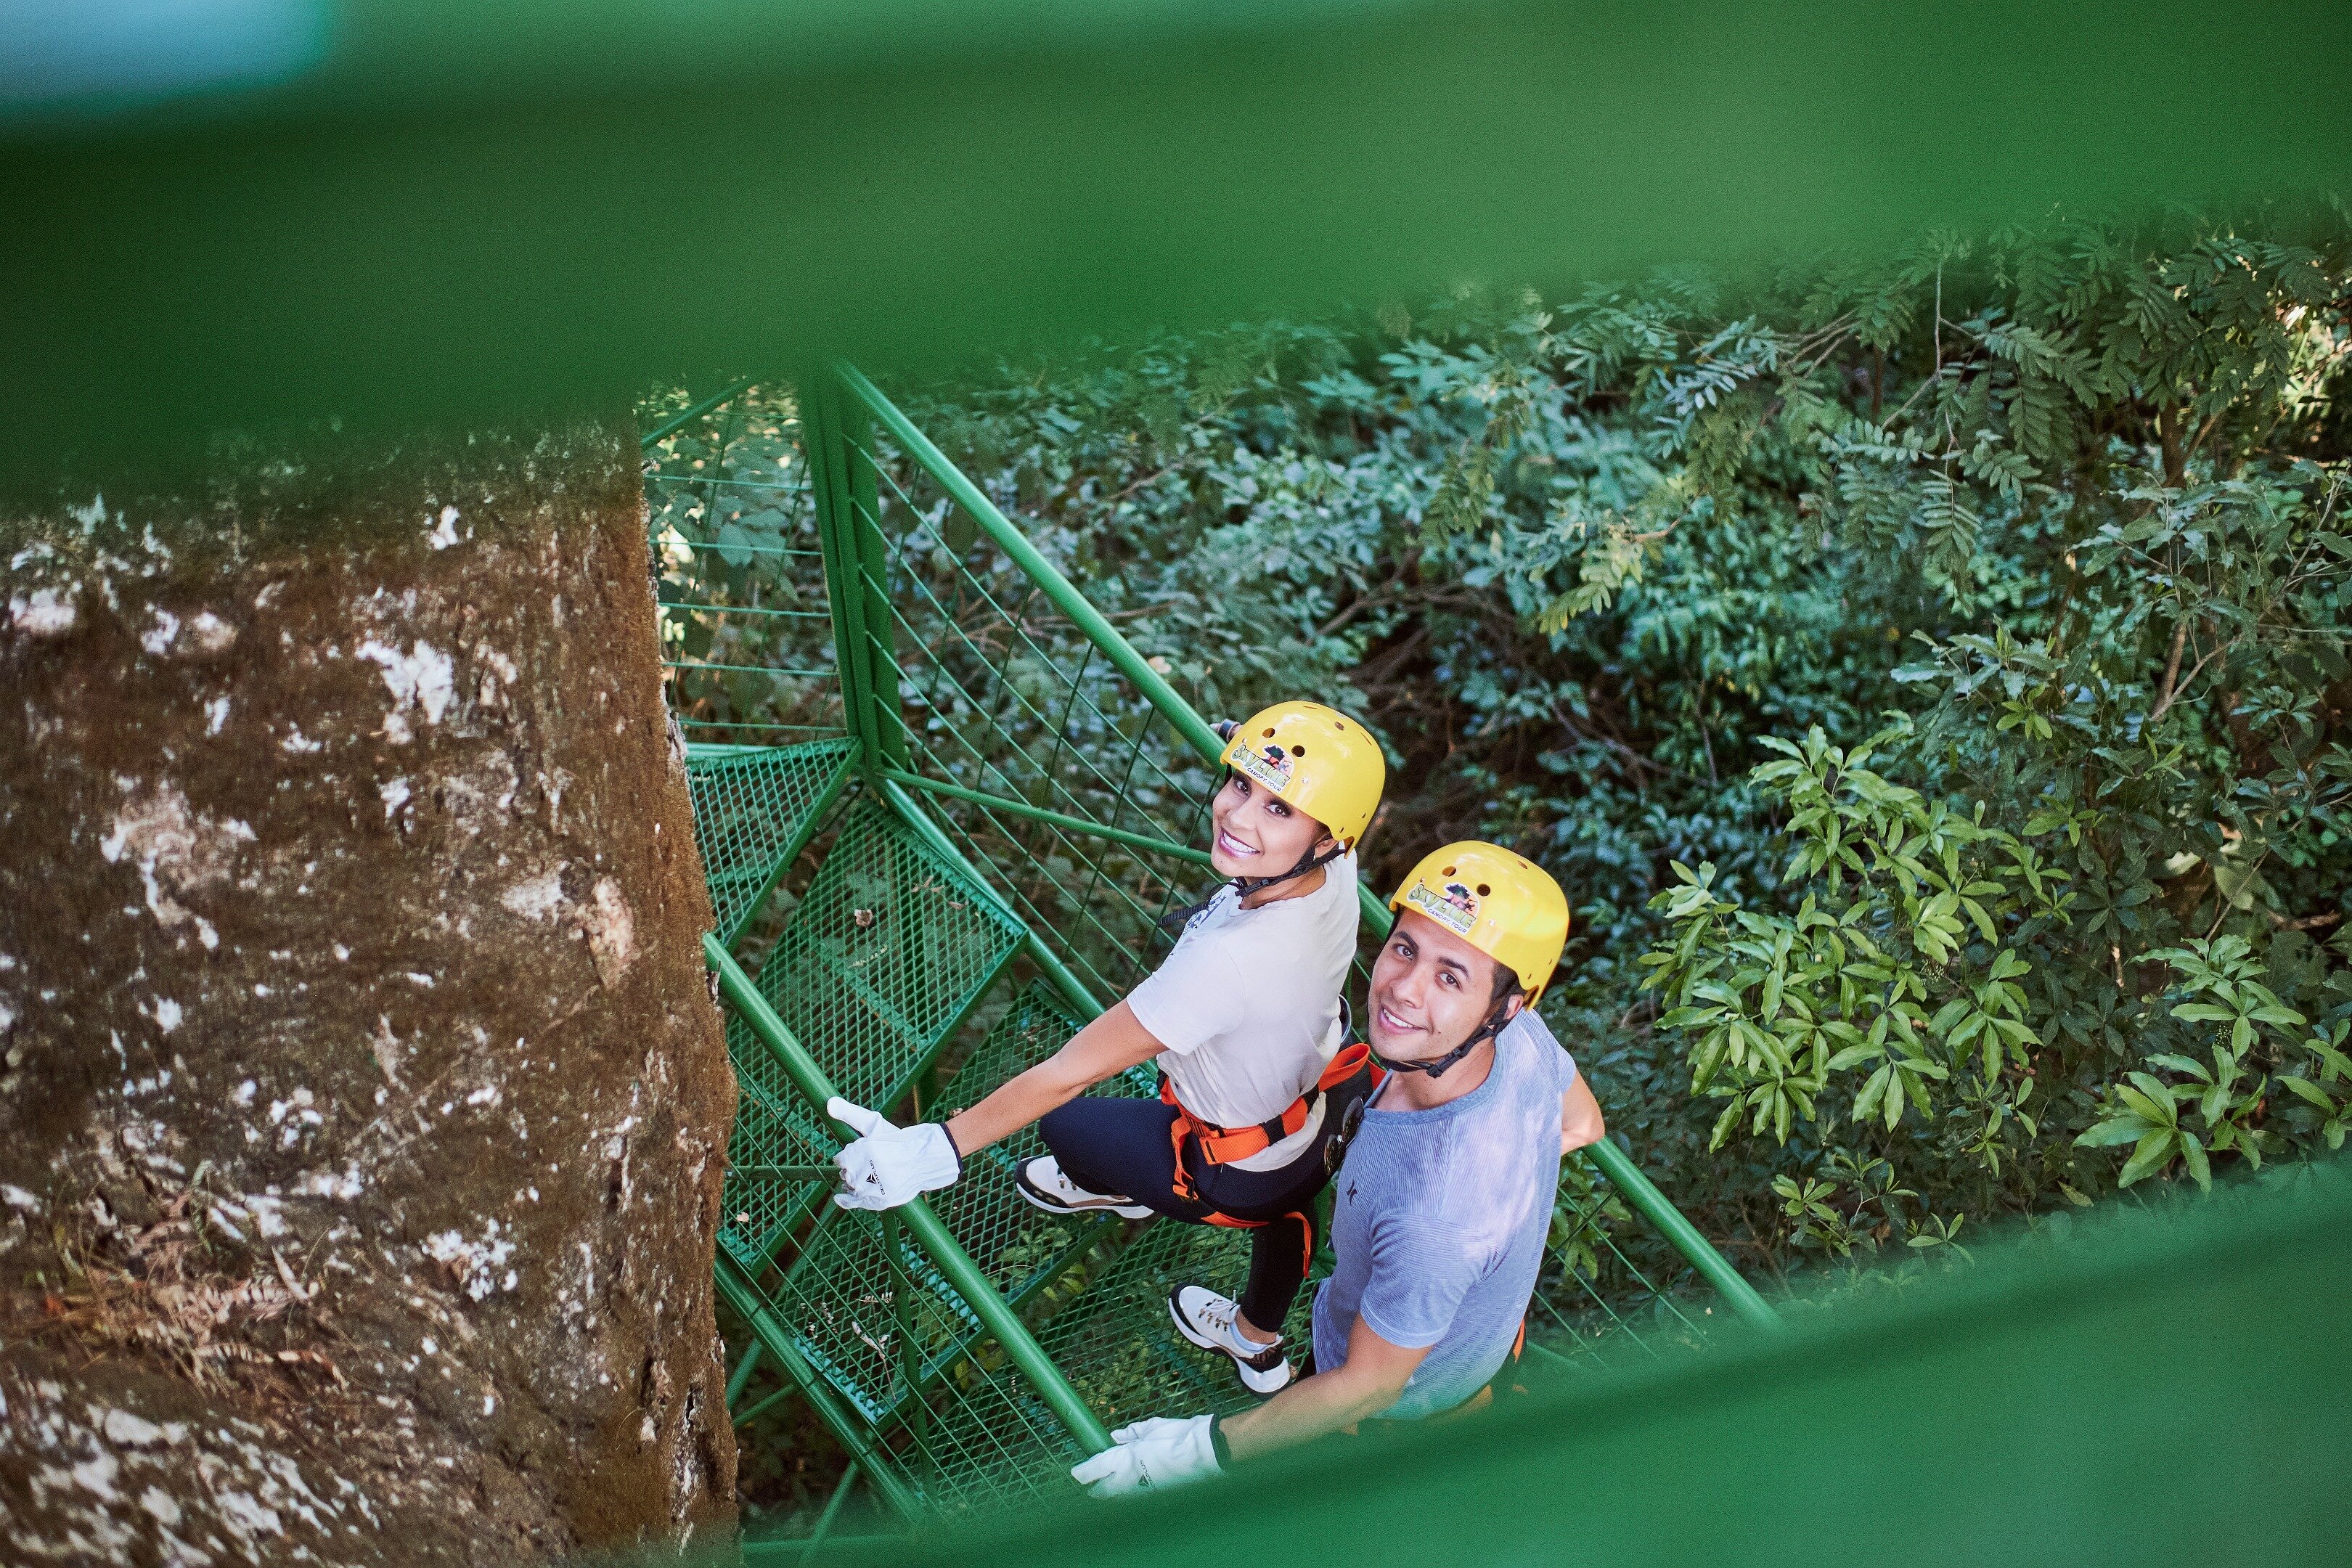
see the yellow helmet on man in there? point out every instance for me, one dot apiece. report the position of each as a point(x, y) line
point(1315, 759)
point(1503, 904)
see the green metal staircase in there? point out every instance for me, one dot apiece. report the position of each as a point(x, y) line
point(942, 805)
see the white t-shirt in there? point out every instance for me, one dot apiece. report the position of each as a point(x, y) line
point(1247, 1005)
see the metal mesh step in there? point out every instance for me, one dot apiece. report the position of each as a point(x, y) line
point(754, 806)
point(886, 954)
point(1020, 1246)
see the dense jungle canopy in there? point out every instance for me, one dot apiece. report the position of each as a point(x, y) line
point(1927, 671)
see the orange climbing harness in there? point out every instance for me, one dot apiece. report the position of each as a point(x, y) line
point(1218, 1145)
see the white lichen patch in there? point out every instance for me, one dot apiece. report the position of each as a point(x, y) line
point(205, 635)
point(325, 1183)
point(445, 532)
point(612, 932)
point(422, 680)
point(479, 1267)
point(157, 638)
point(43, 612)
point(177, 850)
point(535, 898)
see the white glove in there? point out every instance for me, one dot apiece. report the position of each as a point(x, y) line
point(1158, 1452)
point(890, 1165)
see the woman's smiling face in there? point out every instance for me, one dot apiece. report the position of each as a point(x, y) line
point(1253, 832)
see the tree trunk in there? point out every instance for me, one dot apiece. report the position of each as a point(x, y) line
point(364, 1105)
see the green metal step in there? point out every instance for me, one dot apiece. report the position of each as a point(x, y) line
point(887, 953)
point(755, 808)
point(1020, 1247)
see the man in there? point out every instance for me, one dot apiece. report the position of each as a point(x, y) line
point(1444, 1199)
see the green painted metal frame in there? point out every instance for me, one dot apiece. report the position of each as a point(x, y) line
point(1611, 1160)
point(811, 824)
point(922, 1224)
point(835, 413)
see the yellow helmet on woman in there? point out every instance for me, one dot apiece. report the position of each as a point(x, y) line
point(1504, 905)
point(1316, 759)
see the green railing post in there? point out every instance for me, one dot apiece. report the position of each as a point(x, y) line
point(1643, 1195)
point(870, 552)
point(949, 1256)
point(834, 487)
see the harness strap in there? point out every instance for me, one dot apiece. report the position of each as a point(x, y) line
point(1223, 1145)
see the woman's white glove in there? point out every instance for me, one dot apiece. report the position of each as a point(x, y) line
point(1158, 1452)
point(890, 1165)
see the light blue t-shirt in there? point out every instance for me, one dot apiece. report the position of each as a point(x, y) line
point(1438, 1221)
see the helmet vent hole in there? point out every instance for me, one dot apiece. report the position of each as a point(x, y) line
point(1269, 732)
point(1298, 750)
point(1484, 891)
point(1448, 872)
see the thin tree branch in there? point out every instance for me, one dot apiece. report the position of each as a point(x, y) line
point(2168, 691)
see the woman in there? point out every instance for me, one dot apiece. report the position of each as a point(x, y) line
point(1245, 1021)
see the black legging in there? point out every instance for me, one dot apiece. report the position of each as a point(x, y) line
point(1122, 1146)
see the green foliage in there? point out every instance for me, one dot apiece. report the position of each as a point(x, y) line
point(1927, 674)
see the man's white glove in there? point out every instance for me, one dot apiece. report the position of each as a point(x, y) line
point(1158, 1452)
point(890, 1165)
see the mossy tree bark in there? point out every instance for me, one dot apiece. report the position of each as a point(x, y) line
point(365, 1106)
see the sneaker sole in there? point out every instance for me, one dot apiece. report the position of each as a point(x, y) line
point(1257, 1382)
point(1052, 1204)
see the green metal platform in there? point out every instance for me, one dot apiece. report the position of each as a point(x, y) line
point(942, 804)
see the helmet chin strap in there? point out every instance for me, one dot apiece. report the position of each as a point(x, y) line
point(1246, 886)
point(1249, 887)
point(1437, 1067)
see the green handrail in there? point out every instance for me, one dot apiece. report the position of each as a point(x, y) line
point(949, 1256)
point(1672, 1224)
point(1063, 820)
point(688, 415)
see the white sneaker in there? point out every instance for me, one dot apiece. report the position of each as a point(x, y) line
point(1207, 1320)
point(1042, 1183)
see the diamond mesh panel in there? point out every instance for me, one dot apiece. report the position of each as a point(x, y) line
point(953, 1419)
point(883, 954)
point(772, 1128)
point(1119, 1349)
point(1018, 1246)
point(751, 806)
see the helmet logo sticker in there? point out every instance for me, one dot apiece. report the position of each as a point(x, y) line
point(1456, 909)
point(1270, 766)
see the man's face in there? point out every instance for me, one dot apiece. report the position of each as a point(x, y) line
point(1430, 991)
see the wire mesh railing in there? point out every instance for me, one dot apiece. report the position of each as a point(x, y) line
point(1031, 748)
point(746, 628)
